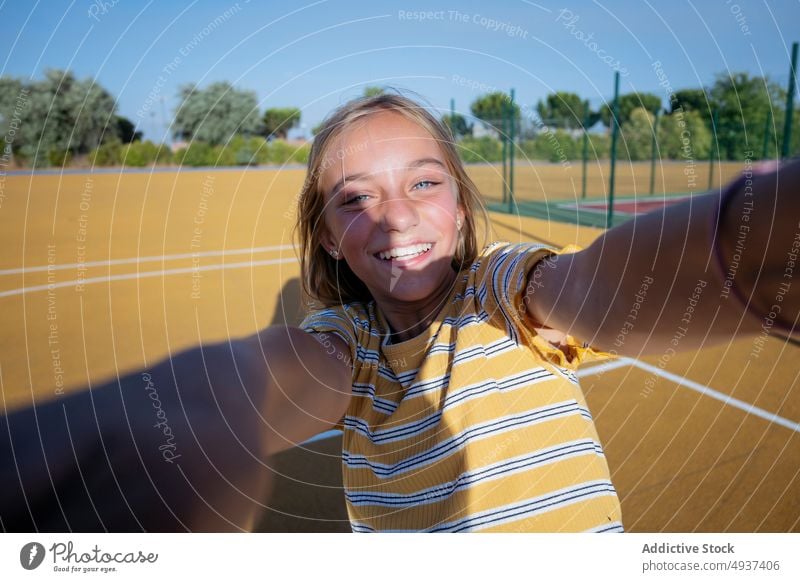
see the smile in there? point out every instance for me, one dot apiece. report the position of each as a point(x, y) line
point(405, 253)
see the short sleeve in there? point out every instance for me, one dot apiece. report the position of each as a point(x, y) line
point(504, 282)
point(334, 321)
point(337, 322)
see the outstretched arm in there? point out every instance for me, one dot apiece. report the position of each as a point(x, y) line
point(180, 446)
point(650, 284)
point(309, 382)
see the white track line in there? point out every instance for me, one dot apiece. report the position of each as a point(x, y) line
point(607, 367)
point(697, 387)
point(151, 259)
point(322, 436)
point(145, 274)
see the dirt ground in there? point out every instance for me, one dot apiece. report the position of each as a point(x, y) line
point(102, 274)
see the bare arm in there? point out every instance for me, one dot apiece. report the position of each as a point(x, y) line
point(179, 446)
point(648, 285)
point(309, 382)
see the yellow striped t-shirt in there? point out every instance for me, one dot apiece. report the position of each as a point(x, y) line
point(476, 424)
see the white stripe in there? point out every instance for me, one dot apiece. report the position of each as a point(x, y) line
point(602, 368)
point(535, 506)
point(614, 526)
point(144, 275)
point(459, 441)
point(724, 398)
point(494, 522)
point(136, 260)
point(328, 434)
point(479, 475)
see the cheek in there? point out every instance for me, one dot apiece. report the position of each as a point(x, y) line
point(354, 229)
point(443, 212)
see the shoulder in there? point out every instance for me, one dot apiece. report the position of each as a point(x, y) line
point(355, 317)
point(354, 323)
point(501, 277)
point(499, 259)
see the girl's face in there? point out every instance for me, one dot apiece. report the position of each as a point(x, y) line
point(391, 207)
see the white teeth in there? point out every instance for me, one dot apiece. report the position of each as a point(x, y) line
point(405, 252)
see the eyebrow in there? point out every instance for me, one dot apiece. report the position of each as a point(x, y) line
point(412, 165)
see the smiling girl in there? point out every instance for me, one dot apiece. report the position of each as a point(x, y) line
point(449, 364)
point(460, 416)
point(460, 408)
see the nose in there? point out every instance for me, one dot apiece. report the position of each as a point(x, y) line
point(398, 214)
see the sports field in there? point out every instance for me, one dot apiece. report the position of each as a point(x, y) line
point(105, 273)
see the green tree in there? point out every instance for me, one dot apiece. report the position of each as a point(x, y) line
point(599, 145)
point(684, 135)
point(691, 100)
point(278, 121)
point(557, 146)
point(223, 155)
point(316, 128)
point(373, 91)
point(250, 151)
point(743, 103)
point(127, 131)
point(458, 125)
point(629, 102)
point(11, 95)
point(57, 117)
point(280, 152)
point(637, 135)
point(480, 150)
point(145, 153)
point(215, 114)
point(565, 110)
point(197, 153)
point(492, 109)
point(108, 154)
point(776, 141)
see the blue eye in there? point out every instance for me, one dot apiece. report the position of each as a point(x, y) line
point(429, 183)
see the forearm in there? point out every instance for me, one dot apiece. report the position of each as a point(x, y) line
point(174, 447)
point(179, 446)
point(649, 285)
point(308, 383)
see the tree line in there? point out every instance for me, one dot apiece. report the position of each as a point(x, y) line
point(60, 118)
point(737, 114)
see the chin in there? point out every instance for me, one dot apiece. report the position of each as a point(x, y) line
point(408, 293)
point(410, 288)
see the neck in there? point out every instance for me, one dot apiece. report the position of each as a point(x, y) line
point(408, 319)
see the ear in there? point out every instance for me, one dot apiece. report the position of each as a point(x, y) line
point(329, 244)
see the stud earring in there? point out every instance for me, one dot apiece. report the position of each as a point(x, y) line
point(458, 224)
point(334, 253)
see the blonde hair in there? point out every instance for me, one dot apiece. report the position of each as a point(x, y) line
point(331, 282)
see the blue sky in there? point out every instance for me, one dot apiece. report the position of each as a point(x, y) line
point(317, 54)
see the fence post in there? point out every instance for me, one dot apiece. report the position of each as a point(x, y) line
point(714, 147)
point(504, 139)
point(653, 149)
point(512, 118)
point(614, 132)
point(767, 124)
point(585, 145)
point(787, 126)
